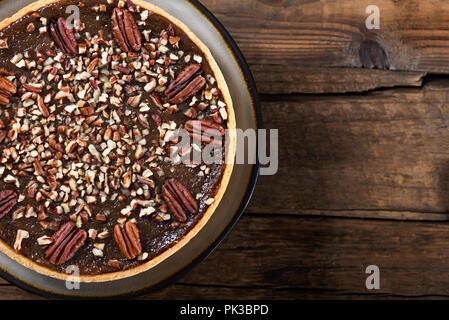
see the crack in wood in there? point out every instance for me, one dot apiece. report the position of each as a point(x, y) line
point(292, 79)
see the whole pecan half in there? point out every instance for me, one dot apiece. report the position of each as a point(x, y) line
point(125, 30)
point(63, 35)
point(128, 239)
point(179, 199)
point(8, 199)
point(186, 84)
point(7, 89)
point(66, 242)
point(206, 131)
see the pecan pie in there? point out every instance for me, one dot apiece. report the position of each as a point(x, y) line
point(92, 172)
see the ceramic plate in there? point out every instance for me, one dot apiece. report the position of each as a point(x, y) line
point(241, 185)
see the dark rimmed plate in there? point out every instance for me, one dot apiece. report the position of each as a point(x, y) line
point(241, 185)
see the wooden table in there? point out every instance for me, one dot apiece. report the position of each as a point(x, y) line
point(364, 155)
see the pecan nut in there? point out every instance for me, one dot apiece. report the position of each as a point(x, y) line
point(66, 242)
point(63, 35)
point(179, 199)
point(8, 199)
point(128, 239)
point(7, 89)
point(3, 134)
point(205, 131)
point(187, 83)
point(5, 72)
point(125, 30)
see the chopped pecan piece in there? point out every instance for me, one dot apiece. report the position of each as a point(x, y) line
point(32, 88)
point(21, 234)
point(131, 6)
point(128, 239)
point(7, 89)
point(179, 199)
point(3, 134)
point(125, 30)
point(8, 199)
point(187, 83)
point(37, 88)
point(206, 131)
point(66, 242)
point(114, 264)
point(3, 43)
point(63, 35)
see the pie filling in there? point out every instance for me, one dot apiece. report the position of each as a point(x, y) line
point(88, 116)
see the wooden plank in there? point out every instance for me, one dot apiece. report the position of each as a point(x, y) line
point(291, 257)
point(413, 34)
point(207, 292)
point(286, 79)
point(322, 257)
point(11, 292)
point(381, 154)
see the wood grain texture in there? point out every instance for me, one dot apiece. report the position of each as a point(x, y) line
point(384, 152)
point(413, 34)
point(299, 46)
point(287, 79)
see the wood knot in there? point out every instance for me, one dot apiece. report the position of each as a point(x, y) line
point(372, 55)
